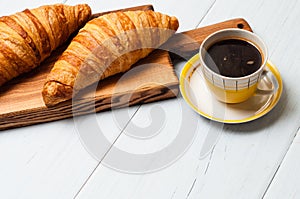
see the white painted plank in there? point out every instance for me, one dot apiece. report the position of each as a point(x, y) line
point(245, 157)
point(45, 161)
point(257, 149)
point(286, 182)
point(107, 182)
point(49, 160)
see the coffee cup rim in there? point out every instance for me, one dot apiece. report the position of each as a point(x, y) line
point(263, 45)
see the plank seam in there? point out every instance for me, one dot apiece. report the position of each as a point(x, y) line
point(206, 13)
point(282, 160)
point(192, 187)
point(210, 158)
point(93, 171)
point(174, 193)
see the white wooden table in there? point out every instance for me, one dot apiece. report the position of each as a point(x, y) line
point(259, 159)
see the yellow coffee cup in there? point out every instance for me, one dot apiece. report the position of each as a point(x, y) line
point(221, 72)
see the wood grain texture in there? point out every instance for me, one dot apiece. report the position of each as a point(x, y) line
point(186, 44)
point(21, 102)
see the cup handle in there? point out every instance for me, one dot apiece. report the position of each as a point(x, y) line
point(264, 74)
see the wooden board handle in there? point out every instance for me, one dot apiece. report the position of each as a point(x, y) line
point(186, 44)
point(141, 8)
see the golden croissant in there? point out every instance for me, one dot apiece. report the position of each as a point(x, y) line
point(105, 46)
point(28, 37)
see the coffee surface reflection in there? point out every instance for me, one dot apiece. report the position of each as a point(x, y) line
point(233, 58)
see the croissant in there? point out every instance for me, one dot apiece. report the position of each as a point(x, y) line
point(105, 46)
point(28, 37)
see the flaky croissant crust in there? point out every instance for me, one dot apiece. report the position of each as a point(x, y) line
point(28, 37)
point(107, 45)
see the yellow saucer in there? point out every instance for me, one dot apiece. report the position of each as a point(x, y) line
point(199, 98)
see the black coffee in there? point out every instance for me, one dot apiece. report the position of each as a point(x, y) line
point(233, 58)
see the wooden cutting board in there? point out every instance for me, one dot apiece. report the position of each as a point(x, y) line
point(151, 79)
